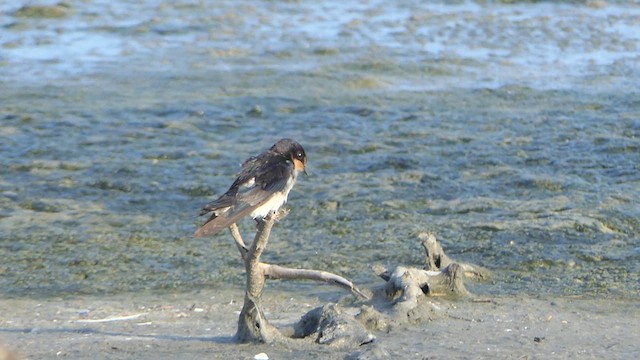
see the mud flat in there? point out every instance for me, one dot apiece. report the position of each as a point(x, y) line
point(201, 325)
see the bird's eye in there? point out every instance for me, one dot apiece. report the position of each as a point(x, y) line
point(299, 154)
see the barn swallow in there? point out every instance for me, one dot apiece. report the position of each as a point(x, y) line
point(261, 187)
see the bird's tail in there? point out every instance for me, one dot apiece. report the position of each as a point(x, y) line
point(222, 221)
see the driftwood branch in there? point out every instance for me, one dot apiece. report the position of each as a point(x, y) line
point(235, 232)
point(437, 260)
point(279, 272)
point(407, 286)
point(404, 293)
point(252, 324)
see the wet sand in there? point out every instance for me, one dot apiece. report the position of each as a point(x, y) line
point(201, 326)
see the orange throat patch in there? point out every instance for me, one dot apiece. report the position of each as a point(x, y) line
point(298, 165)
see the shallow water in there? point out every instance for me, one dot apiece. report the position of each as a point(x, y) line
point(511, 131)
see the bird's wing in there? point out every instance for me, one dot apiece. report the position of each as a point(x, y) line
point(249, 195)
point(245, 178)
point(218, 204)
point(246, 201)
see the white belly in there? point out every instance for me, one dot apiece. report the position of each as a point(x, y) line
point(275, 202)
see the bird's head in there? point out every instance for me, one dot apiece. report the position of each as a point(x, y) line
point(293, 151)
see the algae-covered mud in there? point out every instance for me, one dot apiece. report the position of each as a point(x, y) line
point(510, 130)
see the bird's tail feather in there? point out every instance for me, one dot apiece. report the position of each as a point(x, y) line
point(222, 221)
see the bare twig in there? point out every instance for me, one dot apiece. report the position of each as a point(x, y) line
point(280, 272)
point(235, 232)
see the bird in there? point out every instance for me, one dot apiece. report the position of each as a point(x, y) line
point(261, 187)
